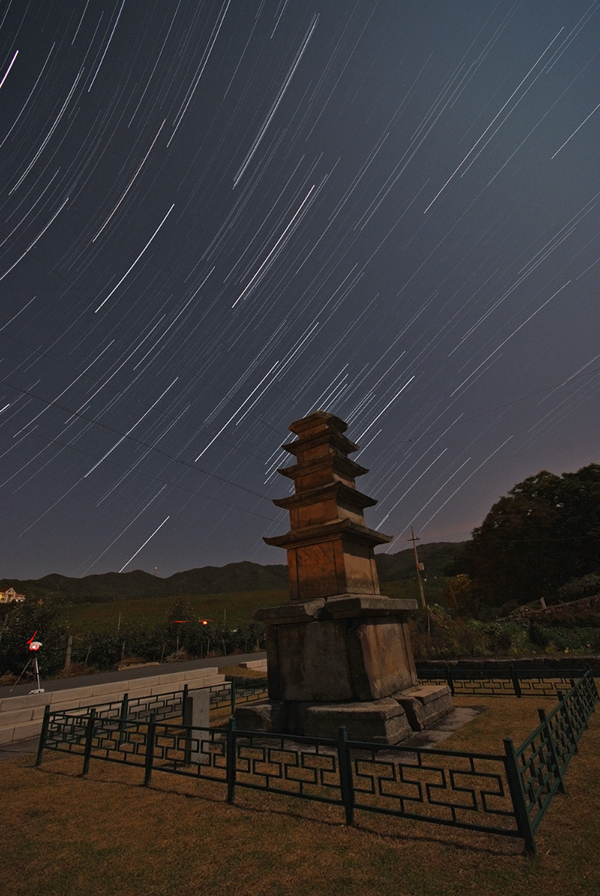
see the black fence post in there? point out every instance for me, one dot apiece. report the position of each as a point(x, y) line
point(231, 759)
point(150, 741)
point(43, 735)
point(345, 767)
point(449, 679)
point(232, 697)
point(517, 792)
point(123, 717)
point(515, 680)
point(89, 736)
point(184, 699)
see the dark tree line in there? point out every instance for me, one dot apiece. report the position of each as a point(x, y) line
point(544, 534)
point(181, 634)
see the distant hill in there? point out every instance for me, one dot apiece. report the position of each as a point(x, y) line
point(112, 586)
point(234, 577)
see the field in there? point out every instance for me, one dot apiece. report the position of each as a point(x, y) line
point(109, 835)
point(235, 608)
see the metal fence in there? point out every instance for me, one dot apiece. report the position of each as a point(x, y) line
point(504, 794)
point(490, 682)
point(543, 757)
point(170, 704)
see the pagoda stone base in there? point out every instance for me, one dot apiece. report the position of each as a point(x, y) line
point(425, 704)
point(389, 720)
point(342, 649)
point(344, 660)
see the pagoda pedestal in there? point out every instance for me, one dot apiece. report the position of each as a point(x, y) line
point(339, 652)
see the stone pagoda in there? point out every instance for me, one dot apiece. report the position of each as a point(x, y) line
point(339, 652)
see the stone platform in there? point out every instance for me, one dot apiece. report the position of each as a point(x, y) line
point(346, 648)
point(389, 720)
point(343, 660)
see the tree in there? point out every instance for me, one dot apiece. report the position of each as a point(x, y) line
point(544, 533)
point(463, 597)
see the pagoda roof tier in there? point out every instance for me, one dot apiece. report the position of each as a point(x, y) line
point(329, 437)
point(343, 492)
point(315, 421)
point(338, 462)
point(336, 529)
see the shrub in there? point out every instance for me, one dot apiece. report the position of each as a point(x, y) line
point(586, 586)
point(436, 635)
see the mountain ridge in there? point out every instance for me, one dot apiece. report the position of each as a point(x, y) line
point(233, 577)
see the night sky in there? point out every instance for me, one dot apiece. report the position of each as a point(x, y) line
point(218, 217)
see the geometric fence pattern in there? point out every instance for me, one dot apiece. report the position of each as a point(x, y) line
point(169, 705)
point(504, 794)
point(499, 683)
point(543, 757)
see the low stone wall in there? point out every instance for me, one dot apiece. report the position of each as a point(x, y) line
point(21, 717)
point(582, 603)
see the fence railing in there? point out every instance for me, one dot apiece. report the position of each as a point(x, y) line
point(170, 704)
point(504, 794)
point(543, 757)
point(499, 682)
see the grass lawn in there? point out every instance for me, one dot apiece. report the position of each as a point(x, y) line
point(109, 836)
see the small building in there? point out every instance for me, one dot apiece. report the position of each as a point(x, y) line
point(10, 596)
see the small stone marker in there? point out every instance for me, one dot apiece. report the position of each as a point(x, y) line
point(196, 714)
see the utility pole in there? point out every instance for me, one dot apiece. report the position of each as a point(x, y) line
point(419, 566)
point(68, 652)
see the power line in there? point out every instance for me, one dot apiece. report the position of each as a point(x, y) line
point(151, 477)
point(132, 439)
point(124, 394)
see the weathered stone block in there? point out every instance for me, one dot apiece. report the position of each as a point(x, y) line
point(331, 660)
point(268, 716)
point(348, 647)
point(196, 713)
point(315, 569)
point(380, 721)
point(313, 662)
point(425, 704)
point(352, 606)
point(387, 658)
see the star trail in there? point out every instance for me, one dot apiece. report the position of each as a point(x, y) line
point(218, 217)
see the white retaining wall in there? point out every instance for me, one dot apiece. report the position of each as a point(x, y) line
point(21, 717)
